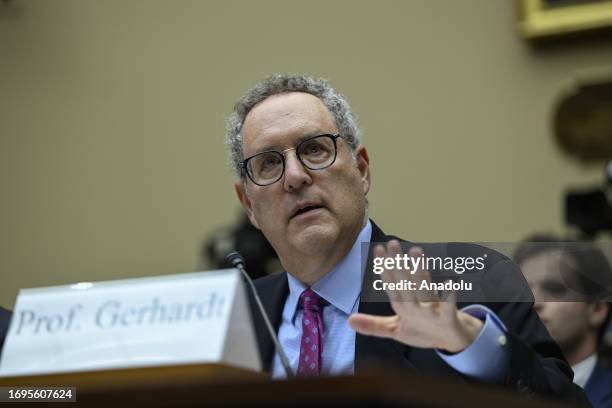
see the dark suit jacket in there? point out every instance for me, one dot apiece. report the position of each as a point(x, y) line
point(536, 366)
point(5, 318)
point(599, 387)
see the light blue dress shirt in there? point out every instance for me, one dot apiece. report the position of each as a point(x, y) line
point(486, 358)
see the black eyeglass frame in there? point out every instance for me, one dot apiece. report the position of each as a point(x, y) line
point(245, 162)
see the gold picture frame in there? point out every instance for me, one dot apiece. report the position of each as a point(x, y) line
point(542, 19)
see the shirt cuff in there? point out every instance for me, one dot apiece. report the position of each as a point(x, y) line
point(486, 358)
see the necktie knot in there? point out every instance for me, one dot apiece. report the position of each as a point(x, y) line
point(309, 300)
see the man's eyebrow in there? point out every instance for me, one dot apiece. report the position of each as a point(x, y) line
point(550, 281)
point(274, 147)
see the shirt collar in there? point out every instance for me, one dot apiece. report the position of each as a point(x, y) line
point(583, 370)
point(341, 286)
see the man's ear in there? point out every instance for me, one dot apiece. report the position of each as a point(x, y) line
point(598, 313)
point(245, 201)
point(363, 165)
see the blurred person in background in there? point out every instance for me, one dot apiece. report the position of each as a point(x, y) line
point(553, 268)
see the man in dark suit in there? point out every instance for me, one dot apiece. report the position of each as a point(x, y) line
point(5, 318)
point(576, 319)
point(303, 177)
point(599, 387)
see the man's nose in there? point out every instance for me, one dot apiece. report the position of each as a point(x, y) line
point(538, 306)
point(296, 175)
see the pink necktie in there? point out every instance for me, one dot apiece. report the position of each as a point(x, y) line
point(311, 345)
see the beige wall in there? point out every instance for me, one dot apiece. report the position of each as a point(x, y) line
point(112, 115)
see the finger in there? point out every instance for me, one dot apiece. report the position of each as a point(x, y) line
point(449, 306)
point(380, 251)
point(422, 275)
point(398, 274)
point(416, 252)
point(393, 250)
point(370, 325)
point(406, 308)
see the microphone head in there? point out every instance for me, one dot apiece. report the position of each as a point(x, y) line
point(234, 259)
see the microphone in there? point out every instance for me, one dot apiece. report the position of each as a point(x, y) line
point(236, 260)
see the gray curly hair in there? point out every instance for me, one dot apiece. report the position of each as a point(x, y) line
point(282, 83)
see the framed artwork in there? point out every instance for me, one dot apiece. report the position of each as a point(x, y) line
point(542, 19)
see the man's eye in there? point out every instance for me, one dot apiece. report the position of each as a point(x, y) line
point(312, 149)
point(554, 289)
point(269, 162)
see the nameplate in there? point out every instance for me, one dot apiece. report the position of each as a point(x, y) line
point(177, 319)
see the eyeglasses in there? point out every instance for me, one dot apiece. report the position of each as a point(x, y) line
point(315, 153)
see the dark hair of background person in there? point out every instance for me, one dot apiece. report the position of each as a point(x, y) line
point(241, 236)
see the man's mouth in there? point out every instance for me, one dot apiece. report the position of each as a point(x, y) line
point(305, 209)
